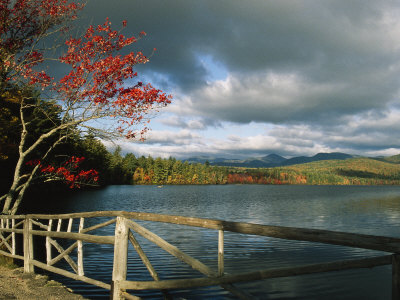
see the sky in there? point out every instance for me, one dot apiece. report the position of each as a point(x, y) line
point(256, 77)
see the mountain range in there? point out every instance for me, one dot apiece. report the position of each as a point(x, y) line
point(268, 161)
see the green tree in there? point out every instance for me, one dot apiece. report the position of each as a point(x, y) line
point(158, 170)
point(130, 164)
point(117, 167)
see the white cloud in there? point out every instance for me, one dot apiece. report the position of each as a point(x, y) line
point(279, 98)
point(182, 137)
point(188, 123)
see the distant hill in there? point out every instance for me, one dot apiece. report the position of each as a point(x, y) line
point(359, 170)
point(268, 161)
point(353, 171)
point(273, 158)
point(392, 159)
point(317, 157)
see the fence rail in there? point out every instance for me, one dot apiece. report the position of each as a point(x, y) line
point(55, 227)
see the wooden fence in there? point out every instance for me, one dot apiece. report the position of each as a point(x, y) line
point(53, 227)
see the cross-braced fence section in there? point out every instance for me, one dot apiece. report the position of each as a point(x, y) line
point(9, 228)
point(56, 229)
point(62, 238)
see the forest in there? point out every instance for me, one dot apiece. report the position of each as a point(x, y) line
point(354, 171)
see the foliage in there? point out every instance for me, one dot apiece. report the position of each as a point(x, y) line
point(96, 156)
point(67, 172)
point(97, 96)
point(9, 124)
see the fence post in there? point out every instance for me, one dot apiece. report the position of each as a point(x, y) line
point(221, 252)
point(48, 245)
point(28, 247)
point(396, 277)
point(80, 249)
point(13, 245)
point(120, 258)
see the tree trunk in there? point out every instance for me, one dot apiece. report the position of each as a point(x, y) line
point(21, 183)
point(13, 193)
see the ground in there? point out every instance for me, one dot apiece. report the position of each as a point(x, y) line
point(15, 284)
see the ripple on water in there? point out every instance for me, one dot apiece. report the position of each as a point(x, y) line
point(368, 210)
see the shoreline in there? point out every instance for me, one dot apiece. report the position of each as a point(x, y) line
point(15, 284)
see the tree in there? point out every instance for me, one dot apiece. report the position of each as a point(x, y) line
point(97, 156)
point(130, 164)
point(9, 124)
point(9, 135)
point(158, 169)
point(97, 96)
point(116, 166)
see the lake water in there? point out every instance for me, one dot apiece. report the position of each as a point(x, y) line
point(359, 209)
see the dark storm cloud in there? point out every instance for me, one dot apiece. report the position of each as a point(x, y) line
point(254, 35)
point(330, 68)
point(171, 27)
point(344, 54)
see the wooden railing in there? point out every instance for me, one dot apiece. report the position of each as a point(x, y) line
point(53, 227)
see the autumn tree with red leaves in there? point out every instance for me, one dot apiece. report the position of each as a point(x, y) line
point(96, 96)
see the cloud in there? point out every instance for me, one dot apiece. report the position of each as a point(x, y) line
point(286, 98)
point(286, 61)
point(182, 137)
point(366, 134)
point(290, 140)
point(325, 74)
point(194, 124)
point(321, 39)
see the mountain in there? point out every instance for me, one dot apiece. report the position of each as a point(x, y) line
point(317, 157)
point(268, 161)
point(214, 161)
point(273, 158)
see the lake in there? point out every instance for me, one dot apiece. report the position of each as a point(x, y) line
point(359, 209)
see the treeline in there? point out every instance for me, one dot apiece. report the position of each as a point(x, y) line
point(129, 169)
point(172, 171)
point(147, 170)
point(289, 176)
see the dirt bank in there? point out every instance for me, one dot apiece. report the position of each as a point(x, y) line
point(14, 284)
